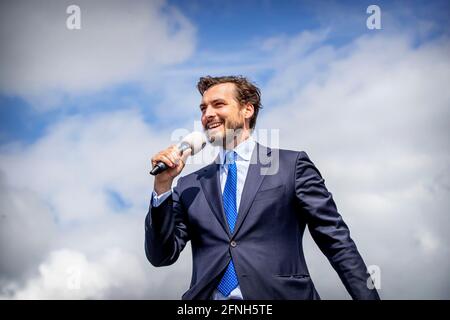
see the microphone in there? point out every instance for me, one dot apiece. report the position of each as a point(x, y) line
point(195, 141)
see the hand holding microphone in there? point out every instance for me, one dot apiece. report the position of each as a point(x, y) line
point(168, 163)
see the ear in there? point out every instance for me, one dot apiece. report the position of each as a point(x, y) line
point(248, 111)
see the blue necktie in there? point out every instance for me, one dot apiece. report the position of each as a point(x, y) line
point(229, 280)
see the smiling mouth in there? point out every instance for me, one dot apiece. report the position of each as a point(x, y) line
point(214, 125)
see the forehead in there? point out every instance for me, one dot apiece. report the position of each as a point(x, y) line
point(224, 91)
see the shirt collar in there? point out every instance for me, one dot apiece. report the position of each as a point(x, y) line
point(243, 150)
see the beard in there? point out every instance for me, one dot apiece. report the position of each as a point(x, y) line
point(230, 130)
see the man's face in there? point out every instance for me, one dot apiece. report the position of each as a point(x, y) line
point(221, 112)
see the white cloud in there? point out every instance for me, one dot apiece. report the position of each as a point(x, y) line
point(68, 274)
point(77, 165)
point(27, 231)
point(67, 217)
point(118, 42)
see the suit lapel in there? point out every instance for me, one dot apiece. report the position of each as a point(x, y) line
point(210, 182)
point(251, 186)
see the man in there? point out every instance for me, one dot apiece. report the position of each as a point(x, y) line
point(246, 226)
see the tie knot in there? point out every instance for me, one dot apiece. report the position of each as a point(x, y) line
point(230, 157)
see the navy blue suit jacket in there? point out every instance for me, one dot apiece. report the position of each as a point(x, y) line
point(266, 245)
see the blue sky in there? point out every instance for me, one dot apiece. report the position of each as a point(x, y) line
point(224, 28)
point(82, 112)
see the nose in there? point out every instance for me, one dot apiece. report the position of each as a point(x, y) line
point(209, 113)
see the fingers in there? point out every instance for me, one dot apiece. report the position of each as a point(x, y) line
point(175, 156)
point(185, 155)
point(170, 157)
point(170, 163)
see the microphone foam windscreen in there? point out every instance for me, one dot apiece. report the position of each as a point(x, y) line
point(196, 140)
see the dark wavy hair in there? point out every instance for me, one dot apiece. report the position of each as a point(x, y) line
point(246, 91)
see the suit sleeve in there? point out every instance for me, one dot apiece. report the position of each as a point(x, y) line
point(166, 230)
point(328, 229)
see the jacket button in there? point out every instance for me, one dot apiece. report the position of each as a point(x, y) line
point(233, 244)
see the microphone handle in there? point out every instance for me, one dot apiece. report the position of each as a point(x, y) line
point(161, 166)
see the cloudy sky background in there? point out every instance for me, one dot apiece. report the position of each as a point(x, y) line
point(82, 112)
